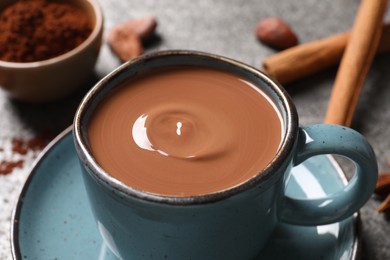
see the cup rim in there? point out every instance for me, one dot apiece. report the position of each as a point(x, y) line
point(287, 143)
point(97, 29)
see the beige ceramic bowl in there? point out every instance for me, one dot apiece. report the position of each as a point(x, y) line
point(47, 80)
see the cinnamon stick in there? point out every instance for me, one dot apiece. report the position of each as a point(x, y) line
point(309, 58)
point(385, 205)
point(356, 62)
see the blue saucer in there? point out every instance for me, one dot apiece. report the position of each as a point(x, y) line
point(53, 220)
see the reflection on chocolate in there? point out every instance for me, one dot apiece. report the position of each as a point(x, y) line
point(185, 131)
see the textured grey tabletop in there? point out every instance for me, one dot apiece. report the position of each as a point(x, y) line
point(222, 27)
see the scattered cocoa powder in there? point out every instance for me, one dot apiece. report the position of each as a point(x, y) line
point(36, 30)
point(22, 147)
point(7, 167)
point(276, 33)
point(18, 146)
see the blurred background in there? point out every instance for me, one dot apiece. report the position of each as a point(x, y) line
point(224, 27)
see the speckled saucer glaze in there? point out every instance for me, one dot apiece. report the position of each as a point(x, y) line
point(53, 220)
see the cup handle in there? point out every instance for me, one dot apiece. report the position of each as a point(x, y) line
point(332, 139)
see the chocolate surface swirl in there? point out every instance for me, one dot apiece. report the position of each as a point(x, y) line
point(185, 131)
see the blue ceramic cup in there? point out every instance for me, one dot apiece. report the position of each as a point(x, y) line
point(231, 224)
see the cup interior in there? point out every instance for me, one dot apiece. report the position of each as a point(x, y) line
point(147, 64)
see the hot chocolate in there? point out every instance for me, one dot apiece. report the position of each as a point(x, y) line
point(185, 131)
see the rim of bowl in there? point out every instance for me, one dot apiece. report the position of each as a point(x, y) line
point(287, 143)
point(93, 35)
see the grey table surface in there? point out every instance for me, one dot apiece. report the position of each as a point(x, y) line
point(224, 27)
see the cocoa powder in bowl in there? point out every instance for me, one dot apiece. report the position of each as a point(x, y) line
point(40, 29)
point(53, 78)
